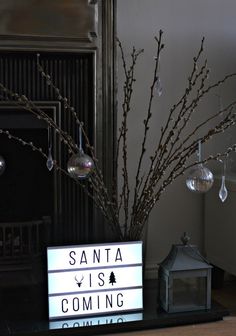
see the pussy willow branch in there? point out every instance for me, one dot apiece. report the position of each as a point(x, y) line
point(177, 152)
point(180, 149)
point(156, 172)
point(184, 114)
point(192, 81)
point(180, 169)
point(153, 195)
point(101, 199)
point(160, 46)
point(96, 180)
point(67, 106)
point(180, 158)
point(214, 116)
point(161, 148)
point(172, 153)
point(95, 196)
point(122, 135)
point(21, 101)
point(34, 148)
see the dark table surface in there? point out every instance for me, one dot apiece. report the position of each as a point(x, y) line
point(24, 312)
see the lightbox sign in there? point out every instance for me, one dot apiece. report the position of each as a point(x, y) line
point(96, 279)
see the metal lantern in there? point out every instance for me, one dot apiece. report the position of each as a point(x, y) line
point(184, 279)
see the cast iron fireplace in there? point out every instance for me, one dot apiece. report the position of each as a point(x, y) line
point(73, 74)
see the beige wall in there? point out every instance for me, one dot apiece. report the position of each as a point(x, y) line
point(184, 23)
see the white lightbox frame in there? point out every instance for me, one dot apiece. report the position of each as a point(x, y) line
point(94, 279)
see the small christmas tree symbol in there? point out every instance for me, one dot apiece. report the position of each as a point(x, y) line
point(112, 278)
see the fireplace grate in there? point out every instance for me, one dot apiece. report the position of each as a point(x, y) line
point(23, 238)
point(22, 251)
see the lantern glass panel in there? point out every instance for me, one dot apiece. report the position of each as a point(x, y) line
point(189, 292)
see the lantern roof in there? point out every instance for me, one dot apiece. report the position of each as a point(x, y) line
point(184, 257)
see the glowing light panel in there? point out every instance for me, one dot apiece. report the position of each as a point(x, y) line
point(94, 279)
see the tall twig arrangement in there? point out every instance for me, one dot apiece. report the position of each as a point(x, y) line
point(127, 212)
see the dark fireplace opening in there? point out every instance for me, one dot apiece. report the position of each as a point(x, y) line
point(26, 199)
point(26, 184)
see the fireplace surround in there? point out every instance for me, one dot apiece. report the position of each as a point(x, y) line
point(76, 42)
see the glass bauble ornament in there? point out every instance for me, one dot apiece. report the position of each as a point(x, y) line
point(2, 165)
point(80, 165)
point(158, 86)
point(200, 179)
point(49, 162)
point(223, 192)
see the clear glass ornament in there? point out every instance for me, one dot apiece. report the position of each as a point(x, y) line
point(80, 165)
point(200, 179)
point(158, 86)
point(49, 162)
point(223, 192)
point(2, 165)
